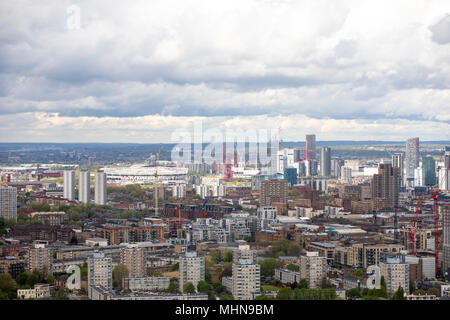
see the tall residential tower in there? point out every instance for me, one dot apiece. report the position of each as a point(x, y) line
point(69, 185)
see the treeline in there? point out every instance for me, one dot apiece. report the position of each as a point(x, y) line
point(302, 294)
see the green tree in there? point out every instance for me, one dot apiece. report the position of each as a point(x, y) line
point(285, 247)
point(119, 272)
point(22, 278)
point(359, 273)
point(284, 294)
point(325, 283)
point(434, 291)
point(399, 294)
point(269, 265)
point(32, 279)
point(188, 288)
point(354, 293)
point(74, 215)
point(412, 286)
point(207, 276)
point(61, 295)
point(293, 267)
point(203, 286)
point(50, 279)
point(7, 283)
point(40, 206)
point(228, 256)
point(303, 284)
point(173, 287)
point(175, 267)
point(218, 287)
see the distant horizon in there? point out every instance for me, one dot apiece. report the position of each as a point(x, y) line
point(284, 142)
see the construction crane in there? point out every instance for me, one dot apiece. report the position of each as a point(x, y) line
point(434, 197)
point(412, 232)
point(158, 154)
point(157, 187)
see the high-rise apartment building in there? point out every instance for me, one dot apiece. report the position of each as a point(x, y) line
point(8, 202)
point(310, 147)
point(395, 271)
point(336, 165)
point(313, 268)
point(179, 190)
point(202, 190)
point(346, 175)
point(446, 237)
point(69, 184)
point(40, 258)
point(290, 175)
point(419, 177)
point(273, 191)
point(191, 269)
point(385, 186)
point(100, 270)
point(412, 157)
point(429, 170)
point(100, 188)
point(244, 252)
point(133, 257)
point(84, 186)
point(311, 167)
point(325, 161)
point(398, 161)
point(246, 279)
point(444, 173)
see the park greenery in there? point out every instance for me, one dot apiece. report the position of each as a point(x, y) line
point(306, 294)
point(285, 248)
point(119, 272)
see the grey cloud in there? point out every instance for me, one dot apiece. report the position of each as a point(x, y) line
point(346, 49)
point(440, 32)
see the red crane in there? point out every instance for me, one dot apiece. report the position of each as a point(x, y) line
point(412, 233)
point(228, 173)
point(434, 196)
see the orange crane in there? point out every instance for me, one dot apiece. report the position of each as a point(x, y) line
point(412, 233)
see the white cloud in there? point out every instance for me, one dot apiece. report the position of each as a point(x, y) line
point(379, 63)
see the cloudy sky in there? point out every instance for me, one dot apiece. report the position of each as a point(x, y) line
point(135, 71)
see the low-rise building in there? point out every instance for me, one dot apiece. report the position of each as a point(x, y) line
point(146, 283)
point(40, 291)
point(286, 276)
